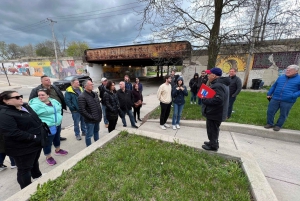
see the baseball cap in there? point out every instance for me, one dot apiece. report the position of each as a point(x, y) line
point(103, 79)
point(216, 71)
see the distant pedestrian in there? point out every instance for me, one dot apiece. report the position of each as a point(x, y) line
point(49, 111)
point(174, 78)
point(102, 89)
point(138, 102)
point(213, 109)
point(128, 85)
point(110, 100)
point(21, 128)
point(283, 94)
point(140, 86)
point(90, 109)
point(165, 97)
point(194, 88)
point(125, 97)
point(179, 91)
point(201, 80)
point(235, 88)
point(71, 98)
point(55, 93)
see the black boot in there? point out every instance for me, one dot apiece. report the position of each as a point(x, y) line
point(134, 115)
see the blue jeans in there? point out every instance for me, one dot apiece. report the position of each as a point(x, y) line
point(273, 107)
point(92, 130)
point(2, 157)
point(193, 96)
point(230, 106)
point(77, 118)
point(129, 112)
point(104, 114)
point(177, 113)
point(52, 139)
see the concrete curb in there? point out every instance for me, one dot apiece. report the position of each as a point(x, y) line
point(282, 135)
point(260, 187)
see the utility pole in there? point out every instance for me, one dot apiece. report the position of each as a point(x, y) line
point(54, 42)
point(252, 45)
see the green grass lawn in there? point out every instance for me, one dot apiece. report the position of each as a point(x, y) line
point(137, 168)
point(249, 108)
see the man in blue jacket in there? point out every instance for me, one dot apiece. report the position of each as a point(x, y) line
point(71, 99)
point(283, 95)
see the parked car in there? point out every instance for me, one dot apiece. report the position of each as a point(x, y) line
point(66, 82)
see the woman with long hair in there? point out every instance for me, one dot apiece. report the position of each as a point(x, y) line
point(137, 98)
point(179, 91)
point(49, 111)
point(112, 105)
point(21, 128)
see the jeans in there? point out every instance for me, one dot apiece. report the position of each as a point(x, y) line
point(193, 96)
point(230, 106)
point(52, 139)
point(165, 112)
point(92, 131)
point(78, 118)
point(213, 129)
point(28, 166)
point(104, 114)
point(2, 157)
point(273, 107)
point(177, 111)
point(129, 112)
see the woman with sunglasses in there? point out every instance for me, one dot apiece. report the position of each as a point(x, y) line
point(21, 128)
point(49, 111)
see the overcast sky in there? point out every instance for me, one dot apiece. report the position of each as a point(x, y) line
point(100, 23)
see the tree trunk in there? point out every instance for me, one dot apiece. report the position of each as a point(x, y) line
point(214, 42)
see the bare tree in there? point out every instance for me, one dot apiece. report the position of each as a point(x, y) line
point(197, 21)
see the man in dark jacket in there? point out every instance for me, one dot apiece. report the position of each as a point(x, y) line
point(235, 88)
point(71, 99)
point(55, 93)
point(126, 102)
point(213, 109)
point(102, 89)
point(90, 109)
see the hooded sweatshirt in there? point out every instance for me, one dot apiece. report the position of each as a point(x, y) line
point(178, 95)
point(194, 83)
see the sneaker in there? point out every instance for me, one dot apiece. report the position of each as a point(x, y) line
point(268, 126)
point(13, 166)
point(61, 152)
point(34, 179)
point(106, 125)
point(191, 103)
point(83, 134)
point(3, 167)
point(167, 125)
point(174, 127)
point(177, 126)
point(276, 128)
point(78, 137)
point(50, 161)
point(163, 127)
point(195, 103)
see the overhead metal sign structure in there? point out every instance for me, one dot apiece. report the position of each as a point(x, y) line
point(170, 53)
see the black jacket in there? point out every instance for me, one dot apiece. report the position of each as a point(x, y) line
point(18, 128)
point(112, 105)
point(226, 82)
point(213, 107)
point(34, 93)
point(89, 107)
point(125, 99)
point(102, 89)
point(194, 83)
point(202, 80)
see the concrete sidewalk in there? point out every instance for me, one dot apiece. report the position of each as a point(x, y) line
point(279, 160)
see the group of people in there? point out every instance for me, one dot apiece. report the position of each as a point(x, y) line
point(23, 125)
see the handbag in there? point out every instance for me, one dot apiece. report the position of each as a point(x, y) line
point(53, 129)
point(138, 103)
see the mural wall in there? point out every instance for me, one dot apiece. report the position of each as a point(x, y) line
point(225, 62)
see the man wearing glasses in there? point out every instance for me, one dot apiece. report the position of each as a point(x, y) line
point(55, 93)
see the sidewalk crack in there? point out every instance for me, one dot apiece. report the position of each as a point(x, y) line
point(282, 180)
point(233, 140)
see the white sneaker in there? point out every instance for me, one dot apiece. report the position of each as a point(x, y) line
point(174, 127)
point(13, 166)
point(177, 126)
point(195, 103)
point(163, 127)
point(191, 103)
point(167, 125)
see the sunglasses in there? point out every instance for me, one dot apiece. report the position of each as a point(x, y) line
point(17, 97)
